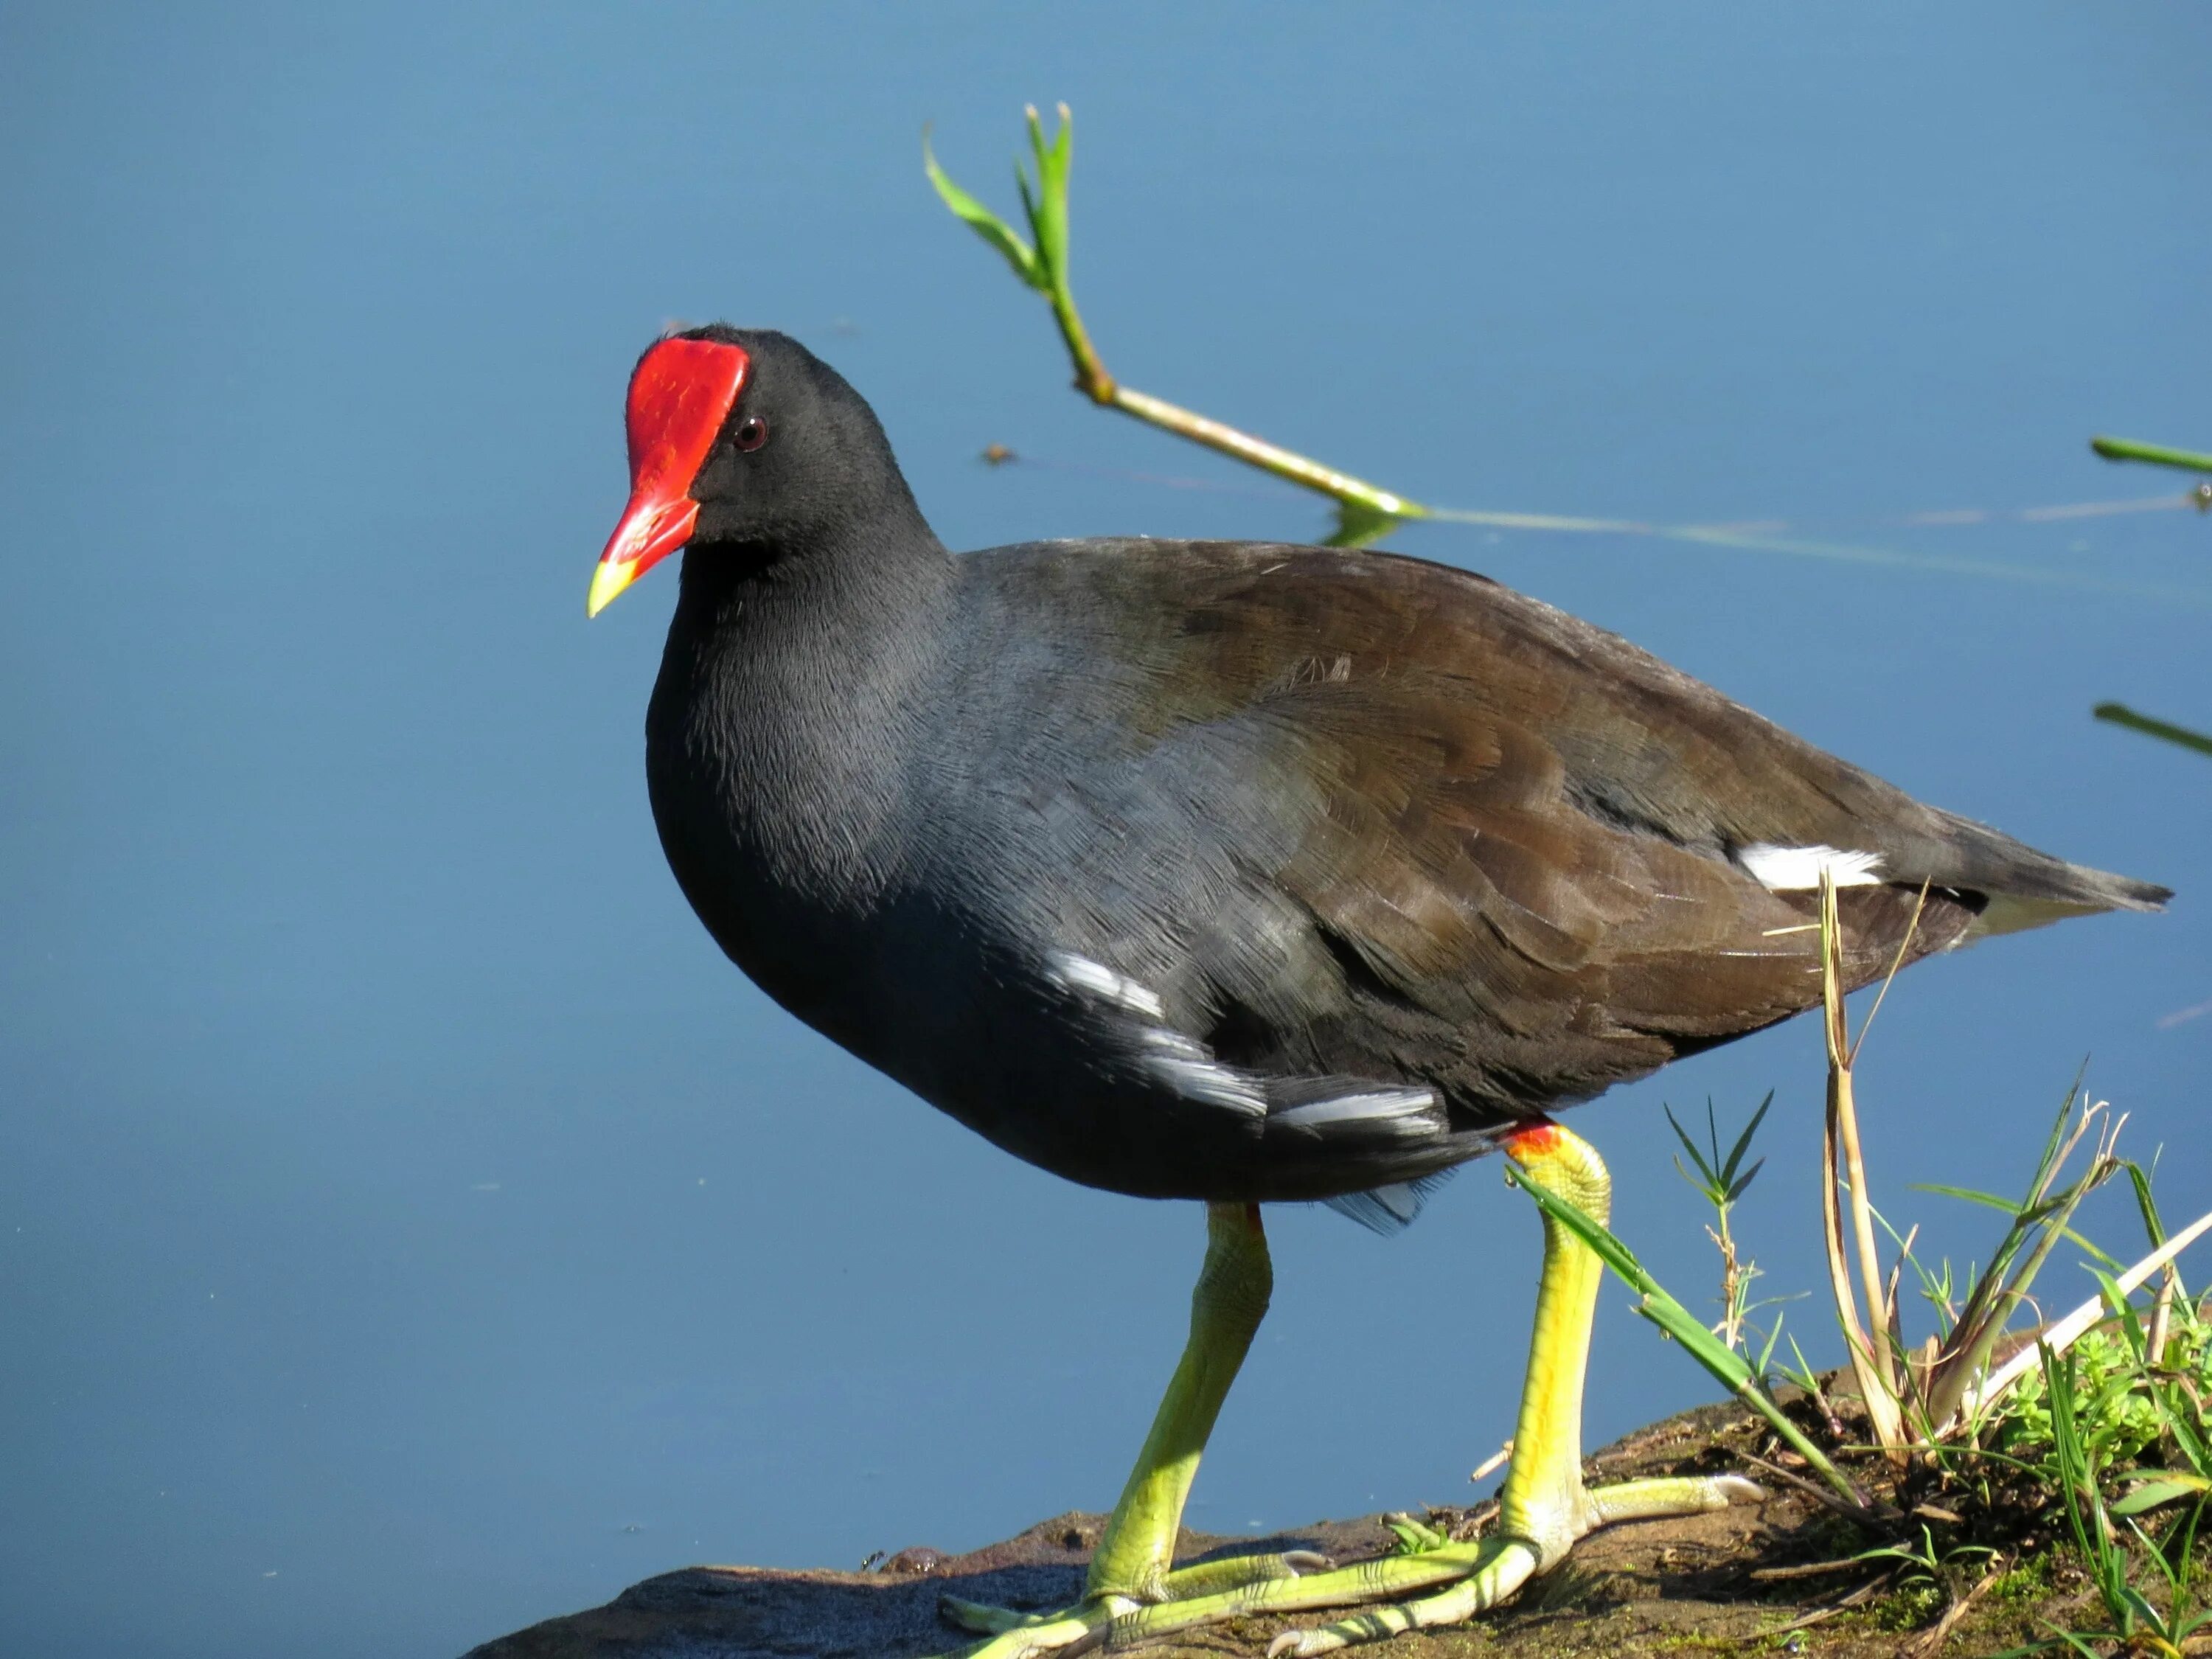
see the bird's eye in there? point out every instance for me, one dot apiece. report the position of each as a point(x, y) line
point(752, 433)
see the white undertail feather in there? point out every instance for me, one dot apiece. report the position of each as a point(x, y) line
point(1189, 1069)
point(2009, 915)
point(1798, 869)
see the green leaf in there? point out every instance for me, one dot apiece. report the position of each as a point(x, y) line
point(984, 223)
point(1359, 524)
point(1711, 1182)
point(1048, 214)
point(2157, 1486)
point(2071, 1640)
point(2137, 1605)
point(1414, 1537)
point(1736, 1191)
point(1029, 195)
point(2152, 1223)
point(1967, 1193)
point(2017, 1211)
point(1743, 1144)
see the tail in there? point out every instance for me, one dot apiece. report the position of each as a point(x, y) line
point(2022, 888)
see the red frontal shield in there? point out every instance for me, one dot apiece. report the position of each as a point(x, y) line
point(682, 394)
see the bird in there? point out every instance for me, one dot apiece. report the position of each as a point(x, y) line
point(1240, 873)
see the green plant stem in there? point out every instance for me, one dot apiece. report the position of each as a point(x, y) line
point(1368, 510)
point(2127, 449)
point(1257, 452)
point(1091, 378)
point(2119, 714)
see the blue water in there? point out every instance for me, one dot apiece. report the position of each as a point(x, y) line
point(410, 1228)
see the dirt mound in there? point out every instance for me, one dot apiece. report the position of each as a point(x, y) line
point(1757, 1577)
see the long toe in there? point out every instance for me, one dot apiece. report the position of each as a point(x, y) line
point(982, 1619)
point(1011, 1635)
point(1646, 1500)
point(1494, 1582)
point(1430, 1587)
point(1212, 1586)
point(1234, 1572)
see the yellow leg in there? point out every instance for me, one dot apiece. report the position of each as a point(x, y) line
point(1227, 1307)
point(1544, 1508)
point(1543, 1500)
point(1133, 1566)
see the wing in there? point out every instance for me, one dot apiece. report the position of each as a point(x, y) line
point(1455, 837)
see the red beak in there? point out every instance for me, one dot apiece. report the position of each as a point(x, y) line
point(681, 394)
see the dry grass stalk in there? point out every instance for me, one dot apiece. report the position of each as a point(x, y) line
point(1946, 1386)
point(1730, 1329)
point(2161, 1317)
point(1491, 1465)
point(1873, 1359)
point(2062, 1334)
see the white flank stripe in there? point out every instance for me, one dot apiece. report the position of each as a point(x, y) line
point(1073, 973)
point(1342, 1109)
point(1208, 1081)
point(1795, 869)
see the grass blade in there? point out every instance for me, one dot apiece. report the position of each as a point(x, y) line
point(985, 223)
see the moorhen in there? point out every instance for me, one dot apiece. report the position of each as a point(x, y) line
point(1242, 872)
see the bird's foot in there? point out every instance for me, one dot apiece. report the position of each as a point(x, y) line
point(1449, 1584)
point(1544, 1508)
point(1431, 1581)
point(1104, 1617)
point(1133, 1570)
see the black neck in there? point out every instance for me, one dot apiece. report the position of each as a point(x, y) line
point(801, 672)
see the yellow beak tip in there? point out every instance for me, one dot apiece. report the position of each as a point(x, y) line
point(608, 580)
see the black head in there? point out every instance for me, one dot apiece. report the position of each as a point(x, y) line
point(742, 439)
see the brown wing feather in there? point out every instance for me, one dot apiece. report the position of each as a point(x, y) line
point(1526, 825)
